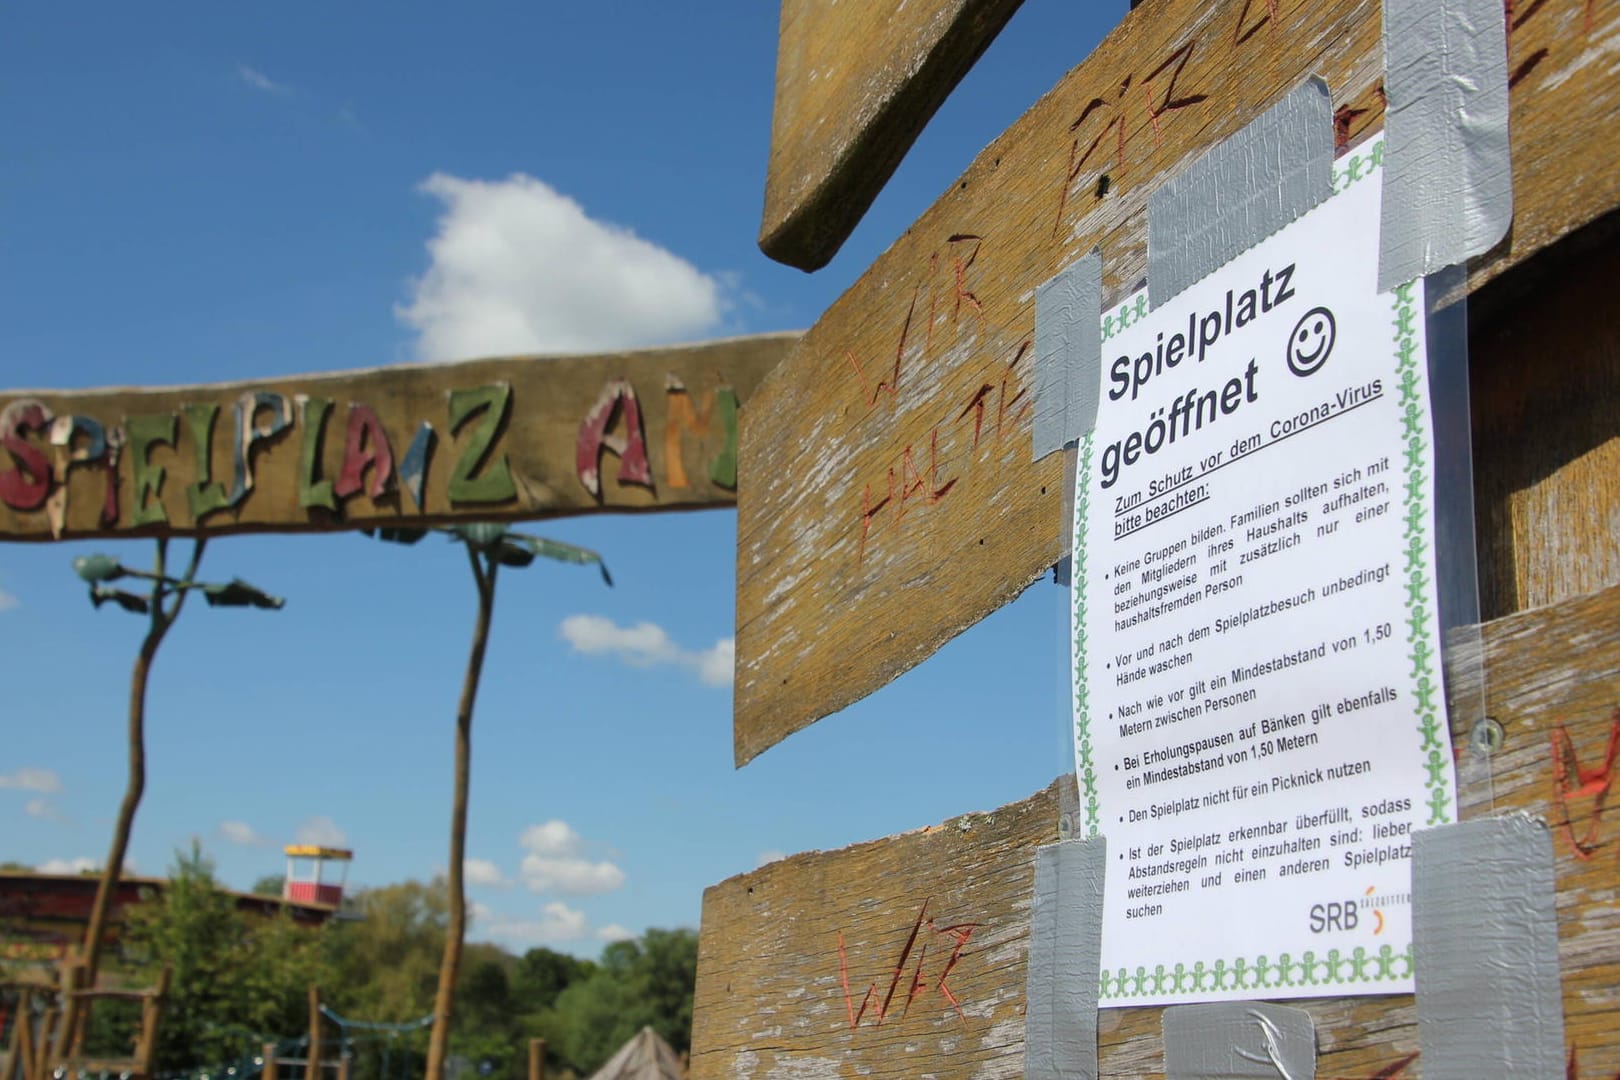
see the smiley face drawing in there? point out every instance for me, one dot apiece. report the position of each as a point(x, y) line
point(1311, 341)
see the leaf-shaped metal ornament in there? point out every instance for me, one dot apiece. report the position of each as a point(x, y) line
point(239, 593)
point(508, 553)
point(100, 594)
point(556, 549)
point(98, 568)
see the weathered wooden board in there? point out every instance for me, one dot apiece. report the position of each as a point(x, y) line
point(855, 83)
point(502, 439)
point(1547, 437)
point(889, 497)
point(788, 952)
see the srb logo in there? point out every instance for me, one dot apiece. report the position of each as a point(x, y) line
point(1335, 915)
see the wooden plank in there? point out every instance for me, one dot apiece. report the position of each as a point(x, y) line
point(889, 497)
point(1547, 440)
point(771, 997)
point(855, 83)
point(505, 439)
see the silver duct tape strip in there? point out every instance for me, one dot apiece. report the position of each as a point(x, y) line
point(1239, 1040)
point(1448, 184)
point(1068, 354)
point(1065, 958)
point(1485, 937)
point(1242, 191)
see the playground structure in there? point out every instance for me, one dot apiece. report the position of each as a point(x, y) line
point(355, 1037)
point(987, 519)
point(301, 888)
point(35, 1012)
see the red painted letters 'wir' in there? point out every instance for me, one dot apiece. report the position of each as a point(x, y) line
point(917, 984)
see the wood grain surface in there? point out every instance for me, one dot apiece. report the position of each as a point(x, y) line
point(889, 498)
point(502, 439)
point(855, 83)
point(1547, 434)
point(779, 945)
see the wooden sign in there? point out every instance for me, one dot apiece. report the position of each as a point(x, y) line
point(855, 83)
point(889, 498)
point(503, 439)
point(908, 956)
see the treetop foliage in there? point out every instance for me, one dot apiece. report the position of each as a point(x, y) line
point(240, 979)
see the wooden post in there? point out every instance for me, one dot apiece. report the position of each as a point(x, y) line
point(312, 1068)
point(8, 1070)
point(343, 1065)
point(537, 1059)
point(42, 1052)
point(74, 1012)
point(22, 1051)
point(268, 1051)
point(151, 1016)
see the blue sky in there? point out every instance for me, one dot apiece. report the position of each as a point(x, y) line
point(205, 192)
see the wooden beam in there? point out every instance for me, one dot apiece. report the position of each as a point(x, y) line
point(502, 439)
point(779, 946)
point(889, 500)
point(855, 83)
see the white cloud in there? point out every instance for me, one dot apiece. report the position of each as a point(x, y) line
point(570, 876)
point(556, 862)
point(484, 872)
point(8, 601)
point(554, 837)
point(518, 267)
point(648, 645)
point(613, 932)
point(321, 830)
point(766, 857)
point(42, 809)
point(240, 832)
point(29, 778)
point(260, 81)
point(557, 923)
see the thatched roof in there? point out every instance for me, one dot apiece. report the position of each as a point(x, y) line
point(645, 1057)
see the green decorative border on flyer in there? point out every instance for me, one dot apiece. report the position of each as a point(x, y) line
point(1082, 708)
point(1419, 570)
point(1334, 968)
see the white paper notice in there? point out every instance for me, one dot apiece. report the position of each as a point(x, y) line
point(1259, 722)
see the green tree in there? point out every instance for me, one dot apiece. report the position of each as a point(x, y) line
point(487, 1027)
point(663, 980)
point(542, 974)
point(387, 958)
point(269, 885)
point(645, 983)
point(235, 978)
